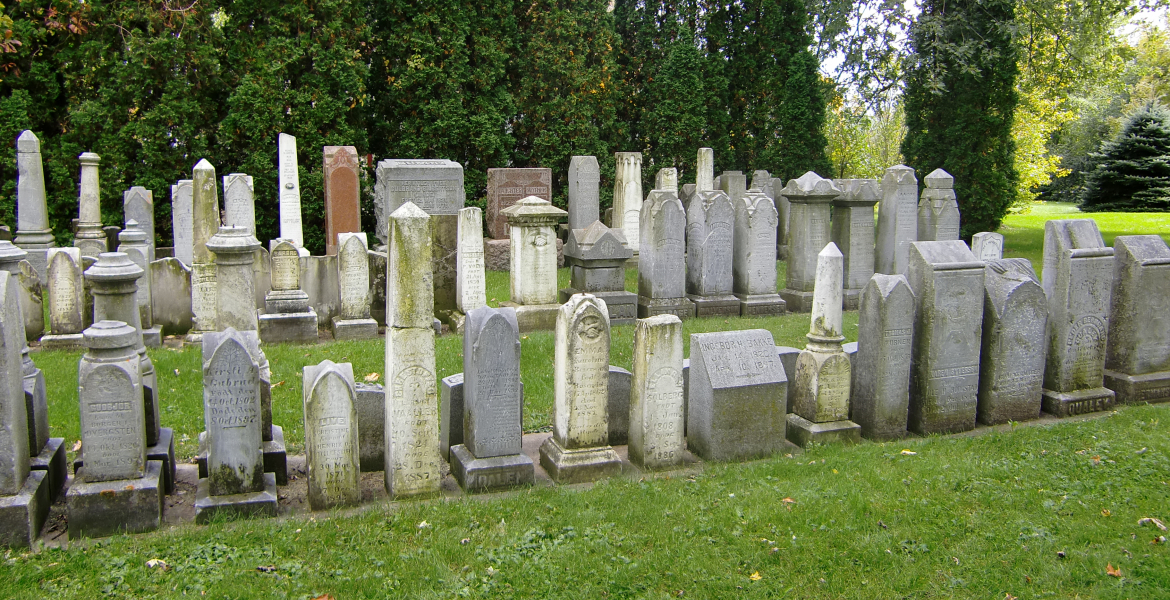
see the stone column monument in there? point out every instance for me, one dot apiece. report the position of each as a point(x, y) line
point(133, 244)
point(90, 238)
point(810, 197)
point(533, 274)
point(897, 223)
point(627, 197)
point(204, 224)
point(235, 249)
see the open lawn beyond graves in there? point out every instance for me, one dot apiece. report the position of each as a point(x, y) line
point(1056, 509)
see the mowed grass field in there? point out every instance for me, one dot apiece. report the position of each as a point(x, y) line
point(1046, 511)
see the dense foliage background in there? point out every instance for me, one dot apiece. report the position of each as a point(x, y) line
point(154, 86)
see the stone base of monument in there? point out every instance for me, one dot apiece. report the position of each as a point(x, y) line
point(120, 506)
point(715, 306)
point(289, 327)
point(799, 302)
point(273, 452)
point(761, 305)
point(535, 317)
point(679, 307)
point(488, 474)
point(152, 337)
point(852, 299)
point(618, 405)
point(354, 329)
point(1067, 404)
point(578, 466)
point(622, 305)
point(1131, 389)
point(22, 515)
point(1007, 409)
point(802, 432)
point(52, 460)
point(61, 342)
point(163, 451)
point(251, 504)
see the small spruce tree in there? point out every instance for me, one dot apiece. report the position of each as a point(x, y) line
point(1132, 172)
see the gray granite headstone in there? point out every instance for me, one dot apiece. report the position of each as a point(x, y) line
point(710, 239)
point(754, 256)
point(734, 184)
point(239, 205)
point(32, 214)
point(938, 211)
point(987, 245)
point(182, 221)
point(1137, 358)
point(853, 232)
point(110, 394)
point(809, 232)
point(662, 265)
point(14, 432)
point(656, 399)
point(584, 191)
point(1015, 320)
point(881, 368)
point(138, 205)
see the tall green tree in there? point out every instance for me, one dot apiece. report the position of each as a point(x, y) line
point(1132, 171)
point(960, 97)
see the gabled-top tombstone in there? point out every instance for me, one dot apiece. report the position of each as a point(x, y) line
point(239, 203)
point(353, 278)
point(343, 191)
point(66, 302)
point(331, 436)
point(736, 391)
point(290, 190)
point(810, 196)
point(287, 317)
point(944, 383)
point(627, 197)
point(710, 237)
point(596, 257)
point(584, 191)
point(506, 187)
point(880, 388)
point(897, 223)
point(1011, 365)
point(138, 206)
point(853, 232)
point(1078, 281)
point(938, 212)
point(662, 266)
point(1137, 360)
point(754, 256)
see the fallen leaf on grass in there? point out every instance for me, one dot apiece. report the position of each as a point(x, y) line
point(909, 453)
point(157, 563)
point(277, 384)
point(77, 445)
point(1110, 571)
point(1096, 460)
point(423, 525)
point(755, 576)
point(1159, 540)
point(324, 597)
point(1153, 521)
point(1008, 596)
point(788, 501)
point(176, 371)
point(1106, 513)
point(373, 376)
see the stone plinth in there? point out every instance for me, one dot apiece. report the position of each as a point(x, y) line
point(246, 504)
point(23, 514)
point(288, 316)
point(809, 232)
point(235, 251)
point(853, 232)
point(105, 508)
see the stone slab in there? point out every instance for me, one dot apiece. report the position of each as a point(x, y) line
point(119, 506)
point(578, 466)
point(252, 504)
point(715, 306)
point(152, 337)
point(1067, 404)
point(797, 301)
point(297, 328)
point(370, 402)
point(490, 474)
point(52, 460)
point(620, 382)
point(66, 341)
point(803, 432)
point(354, 329)
point(682, 308)
point(22, 515)
point(761, 305)
point(505, 187)
point(535, 317)
point(1135, 389)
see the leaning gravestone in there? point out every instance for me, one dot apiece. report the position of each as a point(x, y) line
point(584, 191)
point(331, 436)
point(880, 393)
point(710, 238)
point(343, 191)
point(1137, 358)
point(754, 256)
point(66, 302)
point(627, 197)
point(1078, 281)
point(506, 187)
point(662, 266)
point(987, 245)
point(1011, 365)
point(490, 456)
point(579, 448)
point(853, 232)
point(736, 391)
point(808, 234)
point(32, 214)
point(897, 223)
point(118, 490)
point(656, 398)
point(938, 212)
point(353, 283)
point(181, 221)
point(948, 291)
point(138, 206)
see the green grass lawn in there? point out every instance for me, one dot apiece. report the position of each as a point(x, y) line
point(1023, 235)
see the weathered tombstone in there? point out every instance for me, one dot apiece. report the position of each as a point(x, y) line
point(182, 223)
point(89, 238)
point(133, 244)
point(662, 266)
point(938, 211)
point(579, 448)
point(138, 206)
point(880, 392)
point(435, 187)
point(412, 428)
point(656, 397)
point(987, 245)
point(734, 184)
point(331, 436)
point(353, 280)
point(736, 395)
point(534, 262)
point(1078, 281)
point(1011, 364)
point(1137, 357)
point(783, 214)
point(596, 257)
point(809, 233)
point(236, 482)
point(820, 400)
point(490, 456)
point(370, 400)
point(171, 311)
point(506, 187)
point(24, 493)
point(235, 250)
point(897, 223)
point(710, 236)
point(666, 179)
point(46, 453)
point(343, 192)
point(86, 292)
point(762, 180)
point(754, 256)
point(290, 190)
point(118, 489)
point(627, 197)
point(13, 260)
point(853, 232)
point(948, 294)
point(584, 191)
point(239, 201)
point(32, 214)
point(205, 224)
point(471, 280)
point(288, 316)
point(66, 305)
point(705, 170)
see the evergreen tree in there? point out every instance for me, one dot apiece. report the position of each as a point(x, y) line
point(674, 120)
point(960, 97)
point(1132, 172)
point(800, 143)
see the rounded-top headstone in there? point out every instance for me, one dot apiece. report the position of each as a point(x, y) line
point(114, 266)
point(110, 335)
point(10, 253)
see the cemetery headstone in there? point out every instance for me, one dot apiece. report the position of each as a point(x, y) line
point(331, 436)
point(506, 187)
point(656, 396)
point(1011, 364)
point(987, 245)
point(710, 237)
point(235, 250)
point(534, 262)
point(897, 223)
point(138, 206)
point(754, 256)
point(783, 218)
point(471, 281)
point(66, 304)
point(205, 224)
point(12, 260)
point(182, 223)
point(343, 192)
point(133, 245)
point(666, 179)
point(627, 197)
point(662, 267)
point(353, 282)
point(90, 238)
point(938, 211)
point(705, 170)
point(880, 392)
point(239, 201)
point(762, 180)
point(584, 191)
point(810, 197)
point(596, 257)
point(290, 190)
point(1137, 357)
point(853, 232)
point(734, 184)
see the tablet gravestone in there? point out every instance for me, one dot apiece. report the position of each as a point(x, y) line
point(353, 283)
point(1011, 365)
point(331, 436)
point(1137, 358)
point(897, 223)
point(710, 237)
point(662, 264)
point(656, 399)
point(810, 231)
point(880, 393)
point(853, 232)
point(754, 258)
point(343, 191)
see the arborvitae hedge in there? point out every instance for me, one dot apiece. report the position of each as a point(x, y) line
point(154, 89)
point(1132, 172)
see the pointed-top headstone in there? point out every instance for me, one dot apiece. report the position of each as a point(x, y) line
point(239, 205)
